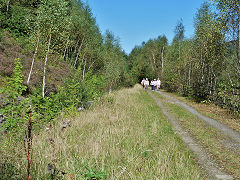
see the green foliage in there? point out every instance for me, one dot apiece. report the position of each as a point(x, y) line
point(2, 19)
point(147, 60)
point(15, 83)
point(72, 95)
point(19, 21)
point(69, 28)
point(94, 86)
point(205, 67)
point(94, 174)
point(45, 109)
point(179, 31)
point(113, 61)
point(16, 105)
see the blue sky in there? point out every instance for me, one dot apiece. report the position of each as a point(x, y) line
point(135, 21)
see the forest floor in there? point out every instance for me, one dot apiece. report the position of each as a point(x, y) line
point(215, 145)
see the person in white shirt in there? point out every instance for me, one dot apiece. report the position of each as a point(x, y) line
point(146, 84)
point(158, 84)
point(152, 85)
point(155, 84)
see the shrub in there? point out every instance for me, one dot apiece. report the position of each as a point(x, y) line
point(15, 105)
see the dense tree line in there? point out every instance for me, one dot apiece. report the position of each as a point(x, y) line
point(61, 30)
point(205, 67)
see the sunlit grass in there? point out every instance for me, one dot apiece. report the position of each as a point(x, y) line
point(209, 109)
point(226, 154)
point(124, 136)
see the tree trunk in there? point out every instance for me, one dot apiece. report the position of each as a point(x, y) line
point(65, 50)
point(189, 74)
point(75, 50)
point(162, 59)
point(45, 65)
point(90, 65)
point(110, 88)
point(154, 59)
point(229, 77)
point(35, 53)
point(202, 66)
point(84, 69)
point(79, 49)
point(8, 3)
point(83, 57)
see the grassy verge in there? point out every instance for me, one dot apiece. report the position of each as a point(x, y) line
point(124, 136)
point(212, 111)
point(220, 147)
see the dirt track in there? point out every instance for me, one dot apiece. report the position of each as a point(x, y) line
point(203, 157)
point(217, 125)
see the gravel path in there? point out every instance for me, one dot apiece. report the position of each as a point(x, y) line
point(217, 125)
point(202, 156)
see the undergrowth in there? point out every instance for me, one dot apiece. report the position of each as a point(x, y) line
point(123, 136)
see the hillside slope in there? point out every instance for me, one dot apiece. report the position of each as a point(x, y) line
point(10, 49)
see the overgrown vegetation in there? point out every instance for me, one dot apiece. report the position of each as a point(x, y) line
point(112, 143)
point(205, 67)
point(54, 61)
point(15, 107)
point(56, 32)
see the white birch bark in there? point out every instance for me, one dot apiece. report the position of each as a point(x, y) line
point(154, 59)
point(162, 59)
point(8, 2)
point(91, 65)
point(79, 49)
point(65, 50)
point(45, 66)
point(84, 69)
point(35, 53)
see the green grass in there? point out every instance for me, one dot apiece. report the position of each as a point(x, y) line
point(225, 116)
point(210, 138)
point(122, 137)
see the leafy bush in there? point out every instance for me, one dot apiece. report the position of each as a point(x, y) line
point(2, 19)
point(15, 105)
point(74, 94)
point(19, 20)
point(45, 108)
point(93, 86)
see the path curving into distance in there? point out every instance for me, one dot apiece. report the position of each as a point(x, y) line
point(201, 154)
point(215, 124)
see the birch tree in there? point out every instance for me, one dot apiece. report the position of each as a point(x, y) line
point(51, 18)
point(210, 46)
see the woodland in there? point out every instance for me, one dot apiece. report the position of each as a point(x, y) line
point(56, 64)
point(54, 59)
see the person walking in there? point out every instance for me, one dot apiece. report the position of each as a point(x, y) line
point(158, 84)
point(146, 84)
point(143, 81)
point(155, 84)
point(152, 85)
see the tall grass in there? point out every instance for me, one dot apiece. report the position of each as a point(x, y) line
point(123, 136)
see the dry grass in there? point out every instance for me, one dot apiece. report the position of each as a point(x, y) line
point(124, 136)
